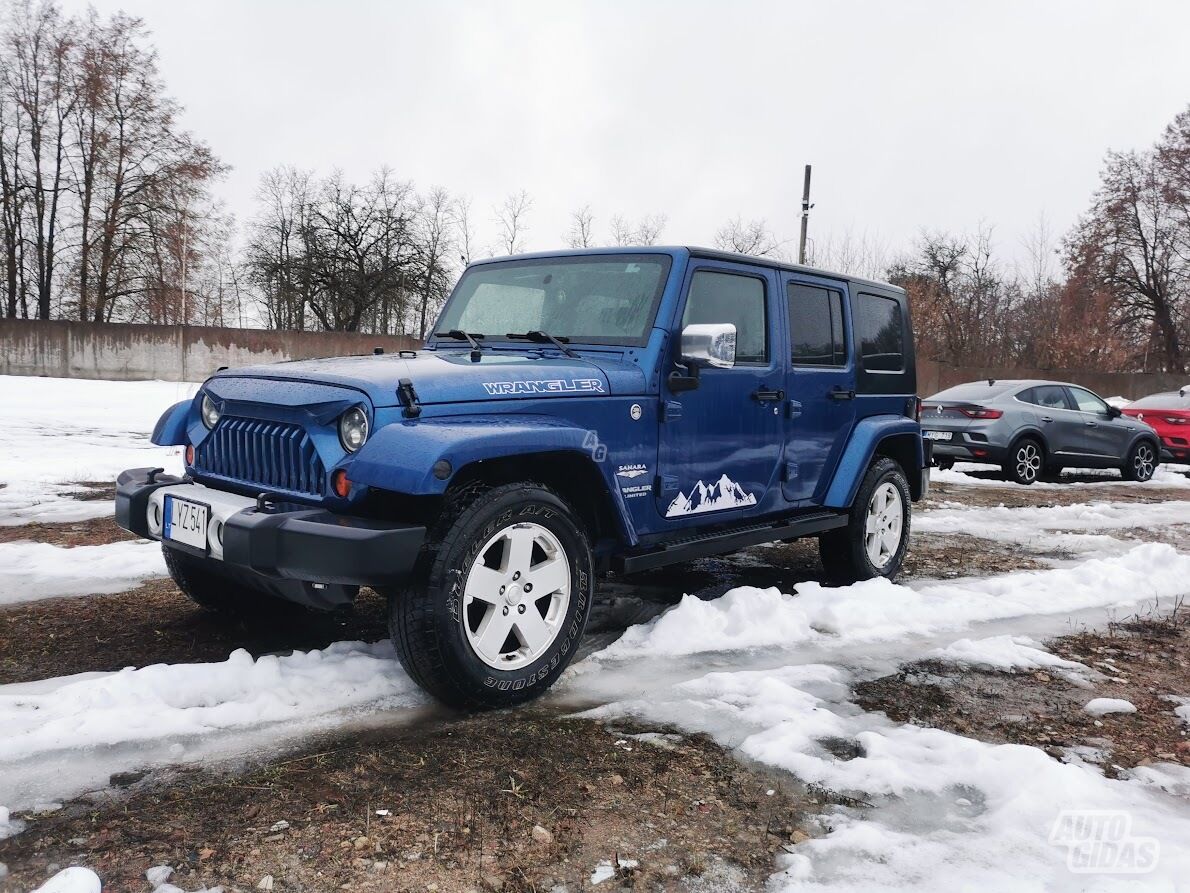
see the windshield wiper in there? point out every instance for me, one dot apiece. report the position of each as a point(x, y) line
point(469, 337)
point(541, 338)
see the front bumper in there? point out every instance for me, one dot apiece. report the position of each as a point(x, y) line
point(272, 539)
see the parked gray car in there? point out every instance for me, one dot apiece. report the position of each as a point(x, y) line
point(1034, 429)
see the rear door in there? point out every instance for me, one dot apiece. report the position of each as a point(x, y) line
point(1060, 423)
point(821, 383)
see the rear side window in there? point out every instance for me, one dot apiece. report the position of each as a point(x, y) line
point(730, 298)
point(1047, 395)
point(816, 326)
point(881, 331)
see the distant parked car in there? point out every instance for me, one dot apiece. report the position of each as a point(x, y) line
point(1036, 428)
point(1168, 414)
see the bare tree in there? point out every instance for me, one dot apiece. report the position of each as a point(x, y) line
point(1134, 242)
point(460, 214)
point(581, 226)
point(39, 45)
point(512, 220)
point(645, 231)
point(435, 236)
point(752, 238)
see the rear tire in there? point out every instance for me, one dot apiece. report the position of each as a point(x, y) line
point(1141, 464)
point(1025, 462)
point(874, 542)
point(218, 594)
point(470, 628)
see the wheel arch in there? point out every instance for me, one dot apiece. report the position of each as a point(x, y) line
point(1029, 434)
point(573, 475)
point(428, 457)
point(897, 437)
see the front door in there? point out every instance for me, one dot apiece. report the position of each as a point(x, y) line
point(720, 444)
point(821, 385)
point(1102, 436)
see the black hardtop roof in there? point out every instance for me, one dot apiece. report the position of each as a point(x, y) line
point(696, 251)
point(776, 263)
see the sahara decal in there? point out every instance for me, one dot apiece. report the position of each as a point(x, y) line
point(723, 494)
point(631, 471)
point(546, 386)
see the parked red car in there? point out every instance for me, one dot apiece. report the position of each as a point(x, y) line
point(1168, 414)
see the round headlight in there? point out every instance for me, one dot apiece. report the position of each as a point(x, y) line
point(210, 412)
point(353, 429)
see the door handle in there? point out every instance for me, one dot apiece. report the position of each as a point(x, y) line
point(764, 395)
point(1046, 418)
point(1091, 424)
point(841, 393)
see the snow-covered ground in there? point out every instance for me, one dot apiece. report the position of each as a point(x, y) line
point(767, 672)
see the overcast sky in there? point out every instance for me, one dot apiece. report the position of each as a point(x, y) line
point(937, 114)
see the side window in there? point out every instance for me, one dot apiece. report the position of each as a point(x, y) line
point(816, 326)
point(728, 297)
point(1047, 395)
point(1086, 401)
point(881, 331)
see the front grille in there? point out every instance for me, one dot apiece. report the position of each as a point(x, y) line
point(270, 455)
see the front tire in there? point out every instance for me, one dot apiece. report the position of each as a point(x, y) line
point(1025, 462)
point(500, 598)
point(1141, 464)
point(874, 542)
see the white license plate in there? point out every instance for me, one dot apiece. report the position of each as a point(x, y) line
point(937, 435)
point(186, 522)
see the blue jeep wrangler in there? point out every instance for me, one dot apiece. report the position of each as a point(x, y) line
point(573, 413)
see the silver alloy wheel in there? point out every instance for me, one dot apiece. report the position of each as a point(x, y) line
point(1143, 462)
point(516, 595)
point(884, 524)
point(1028, 461)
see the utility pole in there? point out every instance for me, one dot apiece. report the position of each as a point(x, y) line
point(806, 206)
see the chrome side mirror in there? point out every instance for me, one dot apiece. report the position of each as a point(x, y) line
point(709, 344)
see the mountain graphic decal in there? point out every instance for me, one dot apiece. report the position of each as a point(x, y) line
point(723, 494)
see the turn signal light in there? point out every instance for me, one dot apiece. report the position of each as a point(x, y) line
point(190, 454)
point(340, 484)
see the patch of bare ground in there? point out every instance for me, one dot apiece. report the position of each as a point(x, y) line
point(155, 623)
point(510, 801)
point(1140, 660)
point(87, 491)
point(1070, 494)
point(95, 532)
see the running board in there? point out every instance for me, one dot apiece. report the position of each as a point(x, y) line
point(724, 541)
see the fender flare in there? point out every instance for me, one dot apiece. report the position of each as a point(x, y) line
point(401, 457)
point(170, 429)
point(865, 440)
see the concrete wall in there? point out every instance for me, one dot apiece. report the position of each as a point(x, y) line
point(169, 353)
point(191, 353)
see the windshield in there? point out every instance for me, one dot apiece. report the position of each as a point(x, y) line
point(609, 299)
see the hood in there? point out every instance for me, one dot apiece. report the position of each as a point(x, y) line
point(451, 376)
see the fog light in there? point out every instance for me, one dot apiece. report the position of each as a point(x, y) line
point(340, 484)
